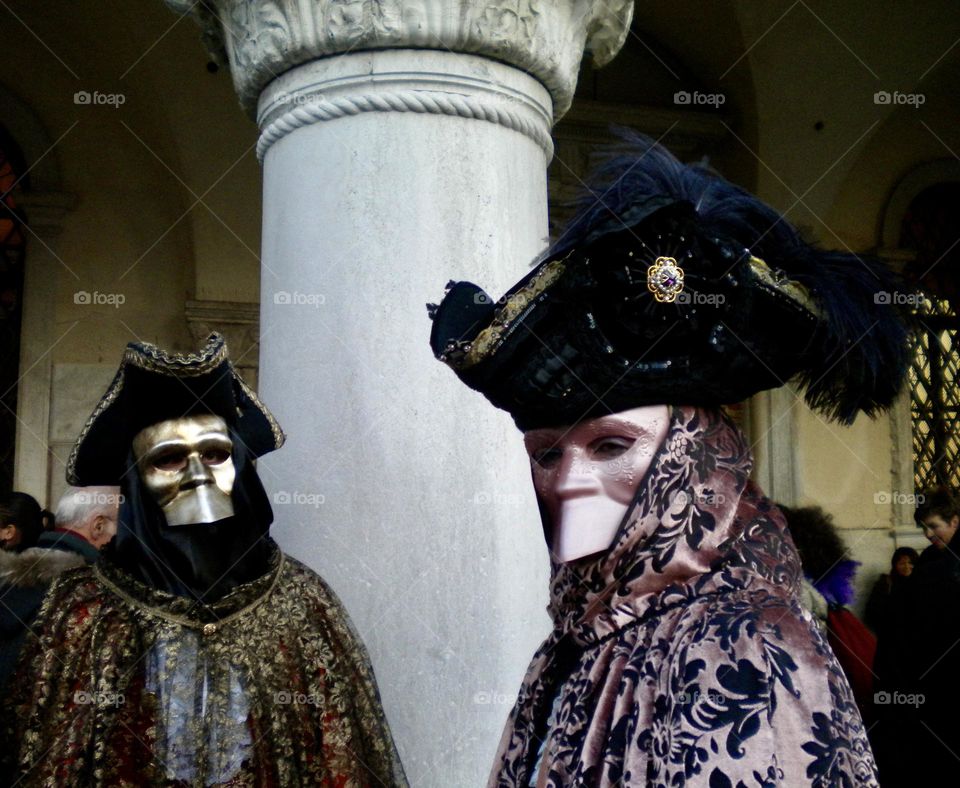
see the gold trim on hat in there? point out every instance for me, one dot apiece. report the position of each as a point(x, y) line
point(515, 305)
point(789, 287)
point(105, 402)
point(178, 365)
point(155, 359)
point(279, 437)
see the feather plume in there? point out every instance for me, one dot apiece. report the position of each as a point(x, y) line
point(860, 353)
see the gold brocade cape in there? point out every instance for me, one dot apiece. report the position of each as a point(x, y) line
point(125, 685)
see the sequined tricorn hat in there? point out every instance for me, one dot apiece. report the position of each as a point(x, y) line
point(152, 386)
point(674, 286)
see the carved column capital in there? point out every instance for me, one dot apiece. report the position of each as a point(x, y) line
point(262, 39)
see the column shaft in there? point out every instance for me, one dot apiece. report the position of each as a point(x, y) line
point(387, 173)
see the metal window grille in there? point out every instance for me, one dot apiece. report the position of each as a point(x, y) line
point(935, 396)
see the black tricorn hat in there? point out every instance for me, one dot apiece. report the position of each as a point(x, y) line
point(673, 286)
point(153, 386)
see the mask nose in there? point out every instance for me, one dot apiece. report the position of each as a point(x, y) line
point(197, 474)
point(576, 476)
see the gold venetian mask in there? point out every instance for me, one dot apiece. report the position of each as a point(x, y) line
point(187, 465)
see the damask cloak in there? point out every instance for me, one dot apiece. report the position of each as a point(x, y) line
point(128, 685)
point(682, 656)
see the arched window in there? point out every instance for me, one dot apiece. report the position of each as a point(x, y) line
point(12, 247)
point(931, 230)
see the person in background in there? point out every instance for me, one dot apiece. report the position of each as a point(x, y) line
point(21, 521)
point(917, 692)
point(85, 522)
point(86, 517)
point(827, 591)
point(878, 605)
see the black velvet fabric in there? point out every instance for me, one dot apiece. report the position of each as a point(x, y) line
point(596, 342)
point(203, 561)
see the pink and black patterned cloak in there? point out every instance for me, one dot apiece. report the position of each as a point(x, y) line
point(682, 656)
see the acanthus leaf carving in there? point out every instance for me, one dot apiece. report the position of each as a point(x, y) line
point(264, 38)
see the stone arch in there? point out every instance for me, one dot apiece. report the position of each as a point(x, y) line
point(34, 141)
point(906, 190)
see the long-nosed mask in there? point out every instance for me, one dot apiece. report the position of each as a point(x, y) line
point(187, 466)
point(586, 475)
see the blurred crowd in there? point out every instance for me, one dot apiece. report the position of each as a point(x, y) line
point(901, 659)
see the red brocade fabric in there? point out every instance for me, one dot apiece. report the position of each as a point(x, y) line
point(124, 685)
point(682, 656)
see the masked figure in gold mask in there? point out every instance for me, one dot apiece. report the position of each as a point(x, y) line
point(195, 653)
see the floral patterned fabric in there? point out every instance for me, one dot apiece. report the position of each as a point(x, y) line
point(682, 656)
point(126, 685)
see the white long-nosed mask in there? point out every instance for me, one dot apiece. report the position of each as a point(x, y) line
point(587, 475)
point(187, 466)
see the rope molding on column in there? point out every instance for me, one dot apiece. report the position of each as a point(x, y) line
point(420, 101)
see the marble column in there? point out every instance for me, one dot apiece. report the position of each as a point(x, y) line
point(405, 144)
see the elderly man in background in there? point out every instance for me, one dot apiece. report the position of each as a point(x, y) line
point(86, 521)
point(86, 517)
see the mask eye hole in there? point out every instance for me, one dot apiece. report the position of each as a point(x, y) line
point(214, 456)
point(610, 447)
point(170, 461)
point(546, 458)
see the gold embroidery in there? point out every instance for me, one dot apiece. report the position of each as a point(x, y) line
point(184, 620)
point(106, 693)
point(154, 359)
point(488, 338)
point(790, 288)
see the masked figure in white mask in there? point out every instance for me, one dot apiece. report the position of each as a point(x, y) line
point(680, 652)
point(194, 653)
point(587, 475)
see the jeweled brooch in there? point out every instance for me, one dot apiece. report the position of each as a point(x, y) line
point(665, 279)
